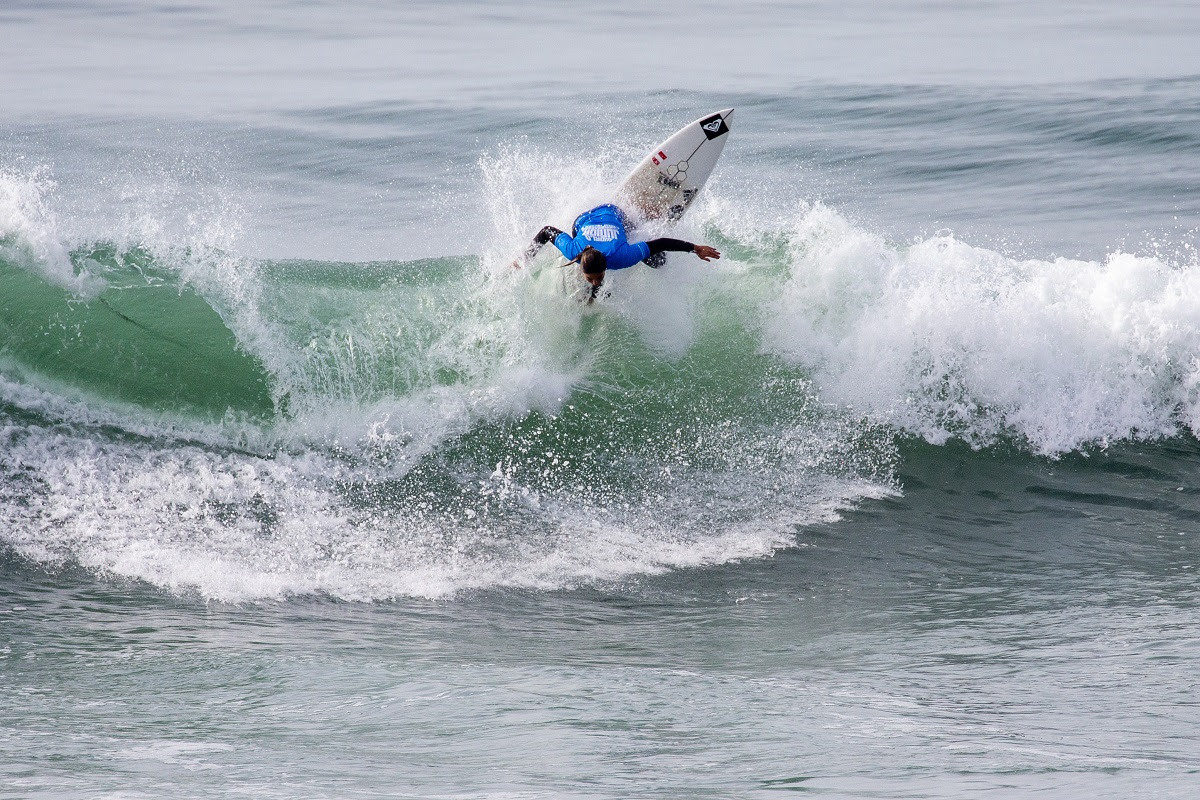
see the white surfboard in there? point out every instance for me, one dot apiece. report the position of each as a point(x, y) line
point(664, 185)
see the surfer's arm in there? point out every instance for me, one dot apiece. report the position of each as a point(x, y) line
point(544, 236)
point(666, 244)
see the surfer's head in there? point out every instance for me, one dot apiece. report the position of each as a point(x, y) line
point(594, 264)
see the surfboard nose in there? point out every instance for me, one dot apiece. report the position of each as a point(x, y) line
point(727, 114)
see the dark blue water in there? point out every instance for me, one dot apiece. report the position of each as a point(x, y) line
point(304, 493)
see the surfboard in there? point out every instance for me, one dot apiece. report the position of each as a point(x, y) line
point(664, 185)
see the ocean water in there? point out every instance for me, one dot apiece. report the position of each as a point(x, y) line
point(305, 494)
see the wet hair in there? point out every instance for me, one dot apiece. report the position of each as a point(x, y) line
point(593, 261)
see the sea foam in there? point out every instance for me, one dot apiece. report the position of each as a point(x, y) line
point(943, 339)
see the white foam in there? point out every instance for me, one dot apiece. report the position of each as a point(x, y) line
point(944, 339)
point(395, 432)
point(238, 527)
point(29, 235)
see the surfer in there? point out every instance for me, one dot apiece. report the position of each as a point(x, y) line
point(598, 243)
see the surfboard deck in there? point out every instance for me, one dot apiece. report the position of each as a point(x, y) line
point(667, 180)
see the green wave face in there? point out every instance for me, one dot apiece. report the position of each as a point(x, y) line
point(144, 340)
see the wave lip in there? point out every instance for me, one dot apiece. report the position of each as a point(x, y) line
point(29, 235)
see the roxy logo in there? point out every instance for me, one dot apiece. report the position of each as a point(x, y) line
point(712, 127)
point(601, 233)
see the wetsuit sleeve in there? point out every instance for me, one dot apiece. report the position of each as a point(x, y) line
point(672, 245)
point(546, 234)
point(570, 248)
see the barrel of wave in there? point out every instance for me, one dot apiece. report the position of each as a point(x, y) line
point(143, 341)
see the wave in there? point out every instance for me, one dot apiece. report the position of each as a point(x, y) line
point(140, 340)
point(250, 429)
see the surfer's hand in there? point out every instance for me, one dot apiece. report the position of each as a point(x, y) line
point(706, 253)
point(516, 263)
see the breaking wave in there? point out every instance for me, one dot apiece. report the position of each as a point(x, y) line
point(245, 429)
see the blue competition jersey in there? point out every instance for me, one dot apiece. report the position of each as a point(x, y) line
point(604, 229)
